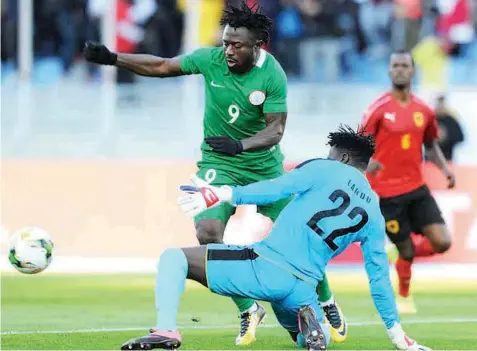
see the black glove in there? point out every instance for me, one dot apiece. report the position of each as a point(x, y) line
point(98, 53)
point(225, 145)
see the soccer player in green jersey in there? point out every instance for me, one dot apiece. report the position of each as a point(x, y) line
point(244, 120)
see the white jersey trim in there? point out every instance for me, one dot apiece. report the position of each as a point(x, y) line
point(262, 56)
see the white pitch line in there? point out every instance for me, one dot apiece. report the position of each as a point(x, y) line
point(229, 326)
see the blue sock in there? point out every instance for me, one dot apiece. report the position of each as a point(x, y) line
point(300, 341)
point(170, 283)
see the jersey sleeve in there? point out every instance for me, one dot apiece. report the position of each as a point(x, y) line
point(297, 181)
point(370, 120)
point(196, 62)
point(432, 129)
point(276, 94)
point(377, 269)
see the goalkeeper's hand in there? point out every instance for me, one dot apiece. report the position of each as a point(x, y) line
point(403, 342)
point(201, 196)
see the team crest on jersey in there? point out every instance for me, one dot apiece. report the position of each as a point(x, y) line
point(392, 226)
point(418, 119)
point(256, 97)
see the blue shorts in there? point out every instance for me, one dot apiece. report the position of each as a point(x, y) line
point(239, 271)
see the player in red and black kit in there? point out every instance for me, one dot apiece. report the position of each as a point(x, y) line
point(402, 124)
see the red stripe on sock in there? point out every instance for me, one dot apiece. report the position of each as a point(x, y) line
point(403, 269)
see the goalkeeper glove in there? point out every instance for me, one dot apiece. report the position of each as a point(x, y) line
point(98, 53)
point(403, 342)
point(201, 196)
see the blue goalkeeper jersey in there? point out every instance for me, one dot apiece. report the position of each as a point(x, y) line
point(334, 206)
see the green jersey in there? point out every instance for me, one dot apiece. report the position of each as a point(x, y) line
point(236, 104)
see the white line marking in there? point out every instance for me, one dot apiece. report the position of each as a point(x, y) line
point(230, 326)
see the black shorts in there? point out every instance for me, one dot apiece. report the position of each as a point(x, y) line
point(409, 212)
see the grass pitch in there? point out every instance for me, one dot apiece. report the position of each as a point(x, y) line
point(99, 312)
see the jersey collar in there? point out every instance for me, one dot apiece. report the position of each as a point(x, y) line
point(261, 58)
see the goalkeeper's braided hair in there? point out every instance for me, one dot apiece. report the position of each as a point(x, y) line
point(250, 18)
point(358, 144)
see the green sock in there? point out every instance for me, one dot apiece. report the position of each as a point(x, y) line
point(243, 303)
point(323, 290)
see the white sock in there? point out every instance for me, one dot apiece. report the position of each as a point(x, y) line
point(253, 308)
point(331, 301)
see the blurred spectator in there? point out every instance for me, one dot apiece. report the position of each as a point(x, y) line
point(289, 31)
point(9, 30)
point(210, 15)
point(58, 28)
point(430, 13)
point(473, 5)
point(132, 17)
point(407, 23)
point(455, 23)
point(271, 8)
point(163, 29)
point(375, 18)
point(450, 131)
point(432, 61)
point(321, 39)
point(352, 39)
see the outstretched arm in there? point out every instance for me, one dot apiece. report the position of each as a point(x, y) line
point(377, 269)
point(142, 64)
point(294, 182)
point(149, 65)
point(201, 196)
point(376, 263)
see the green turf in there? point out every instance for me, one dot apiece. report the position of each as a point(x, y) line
point(49, 302)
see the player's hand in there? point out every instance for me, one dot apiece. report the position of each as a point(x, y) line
point(225, 145)
point(403, 342)
point(374, 167)
point(98, 53)
point(199, 198)
point(451, 180)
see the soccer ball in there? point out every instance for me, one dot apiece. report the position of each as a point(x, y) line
point(31, 250)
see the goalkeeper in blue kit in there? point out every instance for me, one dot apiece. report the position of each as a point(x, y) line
point(334, 206)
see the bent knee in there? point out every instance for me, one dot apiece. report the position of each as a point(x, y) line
point(442, 245)
point(407, 254)
point(439, 236)
point(210, 232)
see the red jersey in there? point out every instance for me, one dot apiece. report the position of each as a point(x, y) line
point(400, 132)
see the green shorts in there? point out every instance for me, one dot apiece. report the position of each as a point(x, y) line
point(220, 175)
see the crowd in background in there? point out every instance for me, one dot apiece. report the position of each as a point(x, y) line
point(331, 38)
point(325, 40)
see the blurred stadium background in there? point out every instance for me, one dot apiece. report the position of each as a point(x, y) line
point(94, 155)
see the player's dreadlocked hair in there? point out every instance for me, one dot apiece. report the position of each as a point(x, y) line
point(359, 145)
point(250, 18)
